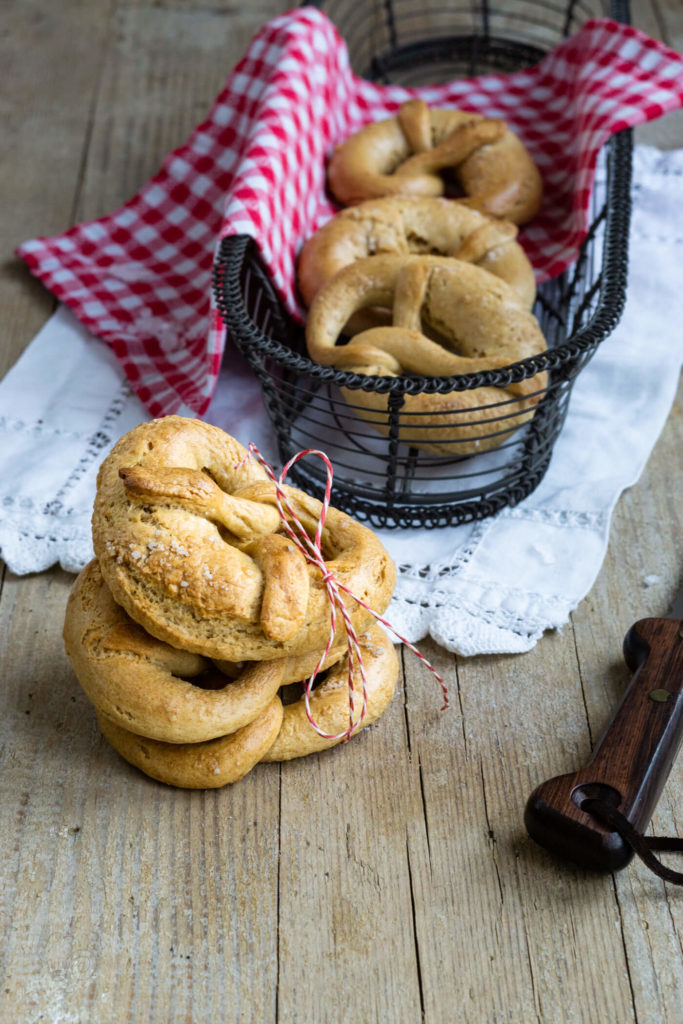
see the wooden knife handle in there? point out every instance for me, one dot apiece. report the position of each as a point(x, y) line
point(630, 764)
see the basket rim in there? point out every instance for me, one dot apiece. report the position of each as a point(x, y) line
point(620, 10)
point(234, 250)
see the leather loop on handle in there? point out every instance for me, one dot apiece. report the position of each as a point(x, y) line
point(640, 844)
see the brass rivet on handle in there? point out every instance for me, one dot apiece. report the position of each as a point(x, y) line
point(659, 695)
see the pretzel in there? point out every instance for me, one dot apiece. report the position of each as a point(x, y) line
point(405, 155)
point(476, 316)
point(295, 667)
point(405, 225)
point(150, 688)
point(329, 702)
point(206, 765)
point(277, 734)
point(192, 546)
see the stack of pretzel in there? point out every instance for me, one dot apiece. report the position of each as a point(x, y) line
point(417, 283)
point(199, 610)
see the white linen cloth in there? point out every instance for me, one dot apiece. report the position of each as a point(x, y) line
point(490, 587)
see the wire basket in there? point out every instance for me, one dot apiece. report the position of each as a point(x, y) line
point(385, 474)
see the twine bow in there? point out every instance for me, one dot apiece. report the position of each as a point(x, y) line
point(312, 551)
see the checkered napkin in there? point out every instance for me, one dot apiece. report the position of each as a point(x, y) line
point(140, 278)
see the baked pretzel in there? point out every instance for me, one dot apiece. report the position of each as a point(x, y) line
point(192, 546)
point(478, 322)
point(405, 225)
point(295, 666)
point(406, 154)
point(277, 734)
point(150, 688)
point(206, 765)
point(329, 701)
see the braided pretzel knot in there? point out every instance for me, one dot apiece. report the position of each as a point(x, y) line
point(190, 543)
point(405, 225)
point(179, 720)
point(407, 153)
point(476, 316)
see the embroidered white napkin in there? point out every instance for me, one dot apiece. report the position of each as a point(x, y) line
point(488, 587)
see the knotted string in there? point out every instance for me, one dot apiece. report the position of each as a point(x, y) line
point(641, 845)
point(312, 552)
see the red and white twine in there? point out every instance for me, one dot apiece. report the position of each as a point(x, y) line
point(312, 551)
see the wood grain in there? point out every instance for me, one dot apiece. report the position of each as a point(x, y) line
point(389, 881)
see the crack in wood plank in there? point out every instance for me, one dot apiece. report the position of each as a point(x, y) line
point(416, 940)
point(491, 834)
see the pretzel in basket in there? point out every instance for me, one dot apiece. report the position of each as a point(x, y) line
point(477, 324)
point(154, 690)
point(405, 225)
point(410, 154)
point(191, 544)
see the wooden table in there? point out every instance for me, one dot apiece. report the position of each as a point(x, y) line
point(388, 881)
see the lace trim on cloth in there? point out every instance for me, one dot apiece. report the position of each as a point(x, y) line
point(458, 559)
point(35, 534)
point(49, 539)
point(476, 617)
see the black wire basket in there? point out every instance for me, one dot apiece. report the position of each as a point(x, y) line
point(388, 477)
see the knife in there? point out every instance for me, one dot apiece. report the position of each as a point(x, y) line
point(632, 761)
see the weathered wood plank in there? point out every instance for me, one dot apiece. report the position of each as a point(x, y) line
point(51, 55)
point(162, 71)
point(646, 548)
point(390, 880)
point(129, 899)
point(510, 924)
point(124, 900)
point(347, 948)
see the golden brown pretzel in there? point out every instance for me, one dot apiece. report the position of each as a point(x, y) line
point(191, 545)
point(295, 667)
point(405, 225)
point(276, 734)
point(150, 688)
point(198, 765)
point(480, 326)
point(329, 701)
point(404, 155)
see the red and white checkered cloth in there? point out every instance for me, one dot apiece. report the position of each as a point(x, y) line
point(140, 278)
